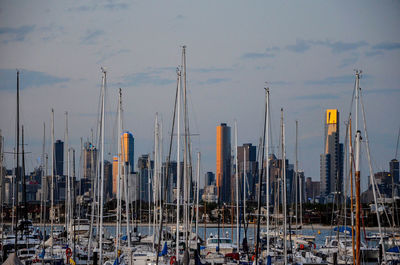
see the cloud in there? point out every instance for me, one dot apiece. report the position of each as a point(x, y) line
point(28, 78)
point(269, 53)
point(110, 6)
point(341, 46)
point(388, 46)
point(109, 54)
point(332, 80)
point(116, 6)
point(213, 81)
point(382, 91)
point(138, 79)
point(300, 46)
point(211, 70)
point(16, 34)
point(91, 36)
point(349, 61)
point(280, 83)
point(373, 53)
point(316, 96)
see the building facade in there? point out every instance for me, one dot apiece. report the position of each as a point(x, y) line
point(223, 162)
point(331, 161)
point(59, 157)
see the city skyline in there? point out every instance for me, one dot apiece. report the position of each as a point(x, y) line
point(307, 58)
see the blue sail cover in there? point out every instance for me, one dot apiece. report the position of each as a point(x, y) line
point(344, 229)
point(395, 249)
point(164, 250)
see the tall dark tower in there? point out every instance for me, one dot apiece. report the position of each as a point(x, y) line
point(223, 162)
point(394, 170)
point(59, 157)
point(331, 167)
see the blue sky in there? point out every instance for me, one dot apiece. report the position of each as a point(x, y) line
point(305, 50)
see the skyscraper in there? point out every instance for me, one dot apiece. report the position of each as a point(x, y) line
point(59, 157)
point(126, 161)
point(114, 175)
point(331, 161)
point(145, 166)
point(223, 162)
point(128, 148)
point(394, 170)
point(89, 160)
point(251, 168)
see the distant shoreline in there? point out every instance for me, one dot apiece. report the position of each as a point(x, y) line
point(215, 225)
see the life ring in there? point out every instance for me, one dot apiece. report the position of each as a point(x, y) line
point(301, 246)
point(172, 260)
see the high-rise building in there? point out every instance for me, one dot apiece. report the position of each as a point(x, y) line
point(210, 178)
point(114, 175)
point(89, 160)
point(59, 157)
point(128, 148)
point(394, 170)
point(251, 168)
point(126, 161)
point(223, 162)
point(312, 189)
point(108, 179)
point(145, 167)
point(331, 161)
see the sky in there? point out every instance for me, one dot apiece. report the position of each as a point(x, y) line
point(306, 51)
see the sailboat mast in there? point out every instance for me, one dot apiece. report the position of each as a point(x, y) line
point(52, 182)
point(67, 198)
point(23, 177)
point(284, 187)
point(357, 174)
point(102, 165)
point(178, 165)
point(267, 162)
point(262, 146)
point(197, 196)
point(17, 168)
point(237, 188)
point(120, 161)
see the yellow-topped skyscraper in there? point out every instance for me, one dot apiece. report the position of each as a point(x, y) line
point(331, 161)
point(127, 158)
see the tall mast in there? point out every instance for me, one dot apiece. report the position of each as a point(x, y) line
point(178, 165)
point(296, 180)
point(23, 178)
point(52, 181)
point(68, 197)
point(267, 161)
point(17, 168)
point(260, 182)
point(185, 154)
point(44, 183)
point(372, 180)
point(357, 175)
point(126, 172)
point(1, 179)
point(237, 188)
point(102, 164)
point(121, 159)
point(284, 187)
point(197, 195)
